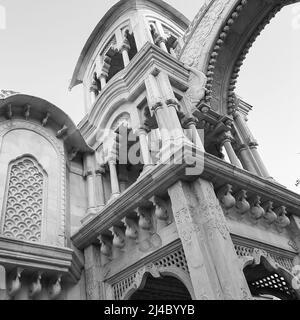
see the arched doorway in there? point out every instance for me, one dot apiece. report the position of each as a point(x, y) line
point(267, 280)
point(162, 288)
point(264, 283)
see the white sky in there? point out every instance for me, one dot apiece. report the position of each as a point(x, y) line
point(42, 41)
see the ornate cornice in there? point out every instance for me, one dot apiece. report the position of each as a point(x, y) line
point(162, 176)
point(35, 256)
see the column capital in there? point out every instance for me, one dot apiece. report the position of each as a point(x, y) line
point(157, 105)
point(100, 169)
point(94, 88)
point(160, 39)
point(253, 144)
point(143, 129)
point(103, 74)
point(241, 147)
point(172, 102)
point(190, 120)
point(125, 45)
point(226, 137)
point(88, 173)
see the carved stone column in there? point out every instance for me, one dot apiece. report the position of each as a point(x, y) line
point(94, 92)
point(161, 42)
point(161, 116)
point(142, 133)
point(91, 190)
point(173, 53)
point(123, 178)
point(115, 188)
point(251, 143)
point(175, 127)
point(95, 288)
point(105, 68)
point(103, 77)
point(100, 198)
point(173, 108)
point(246, 156)
point(125, 52)
point(253, 147)
point(190, 124)
point(210, 254)
point(157, 107)
point(226, 139)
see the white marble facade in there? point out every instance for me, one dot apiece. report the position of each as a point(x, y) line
point(162, 177)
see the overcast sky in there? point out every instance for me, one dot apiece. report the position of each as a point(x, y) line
point(43, 39)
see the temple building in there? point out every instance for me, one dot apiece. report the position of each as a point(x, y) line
point(160, 192)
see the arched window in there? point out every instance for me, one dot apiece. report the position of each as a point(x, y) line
point(23, 210)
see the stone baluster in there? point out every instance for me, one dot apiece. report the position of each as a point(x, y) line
point(225, 197)
point(256, 211)
point(35, 287)
point(131, 232)
point(105, 250)
point(118, 243)
point(14, 282)
point(161, 213)
point(282, 220)
point(145, 224)
point(242, 205)
point(55, 288)
point(269, 216)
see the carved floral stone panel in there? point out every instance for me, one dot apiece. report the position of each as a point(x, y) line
point(24, 200)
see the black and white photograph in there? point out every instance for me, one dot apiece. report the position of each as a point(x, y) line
point(149, 151)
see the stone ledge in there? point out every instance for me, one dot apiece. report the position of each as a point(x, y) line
point(162, 176)
point(36, 256)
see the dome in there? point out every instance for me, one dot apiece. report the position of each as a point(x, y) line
point(6, 93)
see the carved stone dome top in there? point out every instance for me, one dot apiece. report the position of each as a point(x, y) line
point(134, 13)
